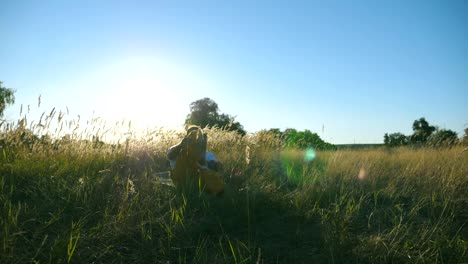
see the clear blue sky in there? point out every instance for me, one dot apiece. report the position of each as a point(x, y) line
point(358, 69)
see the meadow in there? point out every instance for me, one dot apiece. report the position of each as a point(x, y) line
point(75, 199)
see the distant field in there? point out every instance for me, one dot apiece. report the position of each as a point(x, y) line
point(358, 146)
point(82, 201)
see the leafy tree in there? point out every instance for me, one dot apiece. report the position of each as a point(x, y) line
point(275, 131)
point(289, 133)
point(292, 138)
point(421, 131)
point(395, 139)
point(228, 122)
point(465, 137)
point(305, 139)
point(205, 113)
point(7, 97)
point(444, 137)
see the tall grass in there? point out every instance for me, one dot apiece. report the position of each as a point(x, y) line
point(76, 199)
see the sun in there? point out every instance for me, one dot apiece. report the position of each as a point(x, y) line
point(149, 91)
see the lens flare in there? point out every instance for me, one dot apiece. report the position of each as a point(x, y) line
point(310, 155)
point(362, 174)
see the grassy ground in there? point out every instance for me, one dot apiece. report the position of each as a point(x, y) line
point(83, 202)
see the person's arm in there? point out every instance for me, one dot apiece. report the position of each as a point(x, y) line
point(174, 151)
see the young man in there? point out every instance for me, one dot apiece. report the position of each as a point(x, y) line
point(209, 160)
point(191, 164)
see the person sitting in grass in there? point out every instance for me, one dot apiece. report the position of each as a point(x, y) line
point(190, 161)
point(211, 161)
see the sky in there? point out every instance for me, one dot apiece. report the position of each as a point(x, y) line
point(347, 70)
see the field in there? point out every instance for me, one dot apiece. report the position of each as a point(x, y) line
point(83, 201)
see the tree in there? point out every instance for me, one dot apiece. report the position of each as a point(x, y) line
point(395, 139)
point(205, 113)
point(275, 131)
point(228, 122)
point(444, 137)
point(465, 137)
point(421, 131)
point(7, 97)
point(305, 139)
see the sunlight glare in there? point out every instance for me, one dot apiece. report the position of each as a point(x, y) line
point(150, 92)
point(309, 155)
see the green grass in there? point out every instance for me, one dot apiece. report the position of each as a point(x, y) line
point(78, 201)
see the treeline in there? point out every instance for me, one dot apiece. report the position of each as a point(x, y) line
point(292, 138)
point(205, 113)
point(426, 135)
